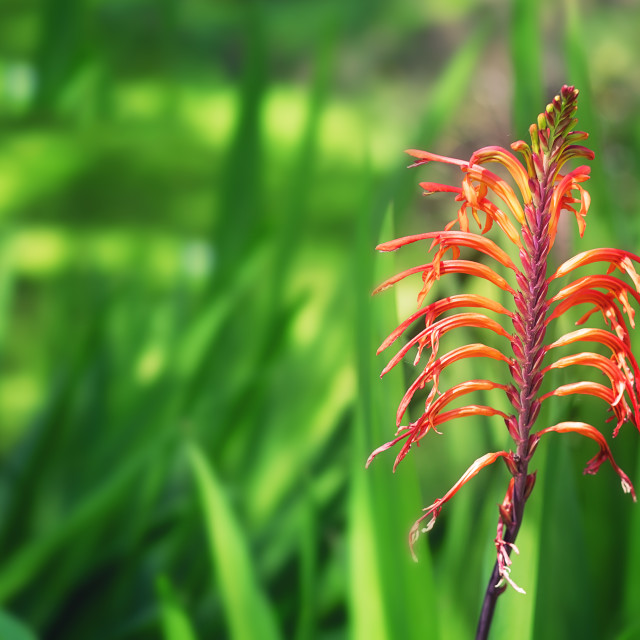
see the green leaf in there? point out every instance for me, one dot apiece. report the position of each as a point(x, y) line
point(175, 620)
point(248, 612)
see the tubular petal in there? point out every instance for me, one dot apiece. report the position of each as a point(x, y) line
point(500, 187)
point(427, 156)
point(508, 160)
point(454, 238)
point(436, 187)
point(622, 410)
point(459, 390)
point(620, 350)
point(433, 271)
point(433, 370)
point(435, 309)
point(623, 260)
point(465, 412)
point(612, 284)
point(430, 336)
point(604, 302)
point(619, 382)
point(571, 151)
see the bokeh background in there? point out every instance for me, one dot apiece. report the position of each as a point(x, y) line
point(190, 195)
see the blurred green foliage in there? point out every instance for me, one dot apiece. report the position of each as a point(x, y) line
point(190, 194)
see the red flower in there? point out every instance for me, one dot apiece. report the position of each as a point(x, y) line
point(526, 212)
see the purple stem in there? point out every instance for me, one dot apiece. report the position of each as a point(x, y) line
point(531, 300)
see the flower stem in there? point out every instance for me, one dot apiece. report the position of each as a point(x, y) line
point(530, 333)
point(493, 591)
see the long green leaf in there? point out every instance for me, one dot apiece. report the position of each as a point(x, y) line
point(248, 612)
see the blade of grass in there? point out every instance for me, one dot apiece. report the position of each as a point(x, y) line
point(563, 552)
point(23, 566)
point(249, 613)
point(175, 620)
point(388, 596)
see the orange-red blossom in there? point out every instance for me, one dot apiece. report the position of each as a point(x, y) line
point(526, 210)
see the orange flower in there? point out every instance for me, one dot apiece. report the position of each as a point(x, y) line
point(526, 209)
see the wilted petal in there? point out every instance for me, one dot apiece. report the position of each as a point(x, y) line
point(434, 509)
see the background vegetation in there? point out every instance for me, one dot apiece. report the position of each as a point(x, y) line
point(190, 194)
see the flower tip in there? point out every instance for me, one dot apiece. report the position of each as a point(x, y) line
point(414, 534)
point(422, 156)
point(628, 488)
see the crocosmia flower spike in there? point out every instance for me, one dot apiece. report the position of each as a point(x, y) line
point(524, 208)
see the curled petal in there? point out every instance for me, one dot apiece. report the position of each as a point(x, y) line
point(431, 272)
point(433, 370)
point(430, 336)
point(500, 187)
point(400, 276)
point(614, 285)
point(417, 430)
point(434, 509)
point(622, 410)
point(621, 351)
point(623, 260)
point(432, 416)
point(447, 239)
point(386, 446)
point(563, 190)
point(435, 309)
point(619, 382)
point(594, 464)
point(474, 197)
point(501, 219)
point(508, 160)
point(605, 302)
